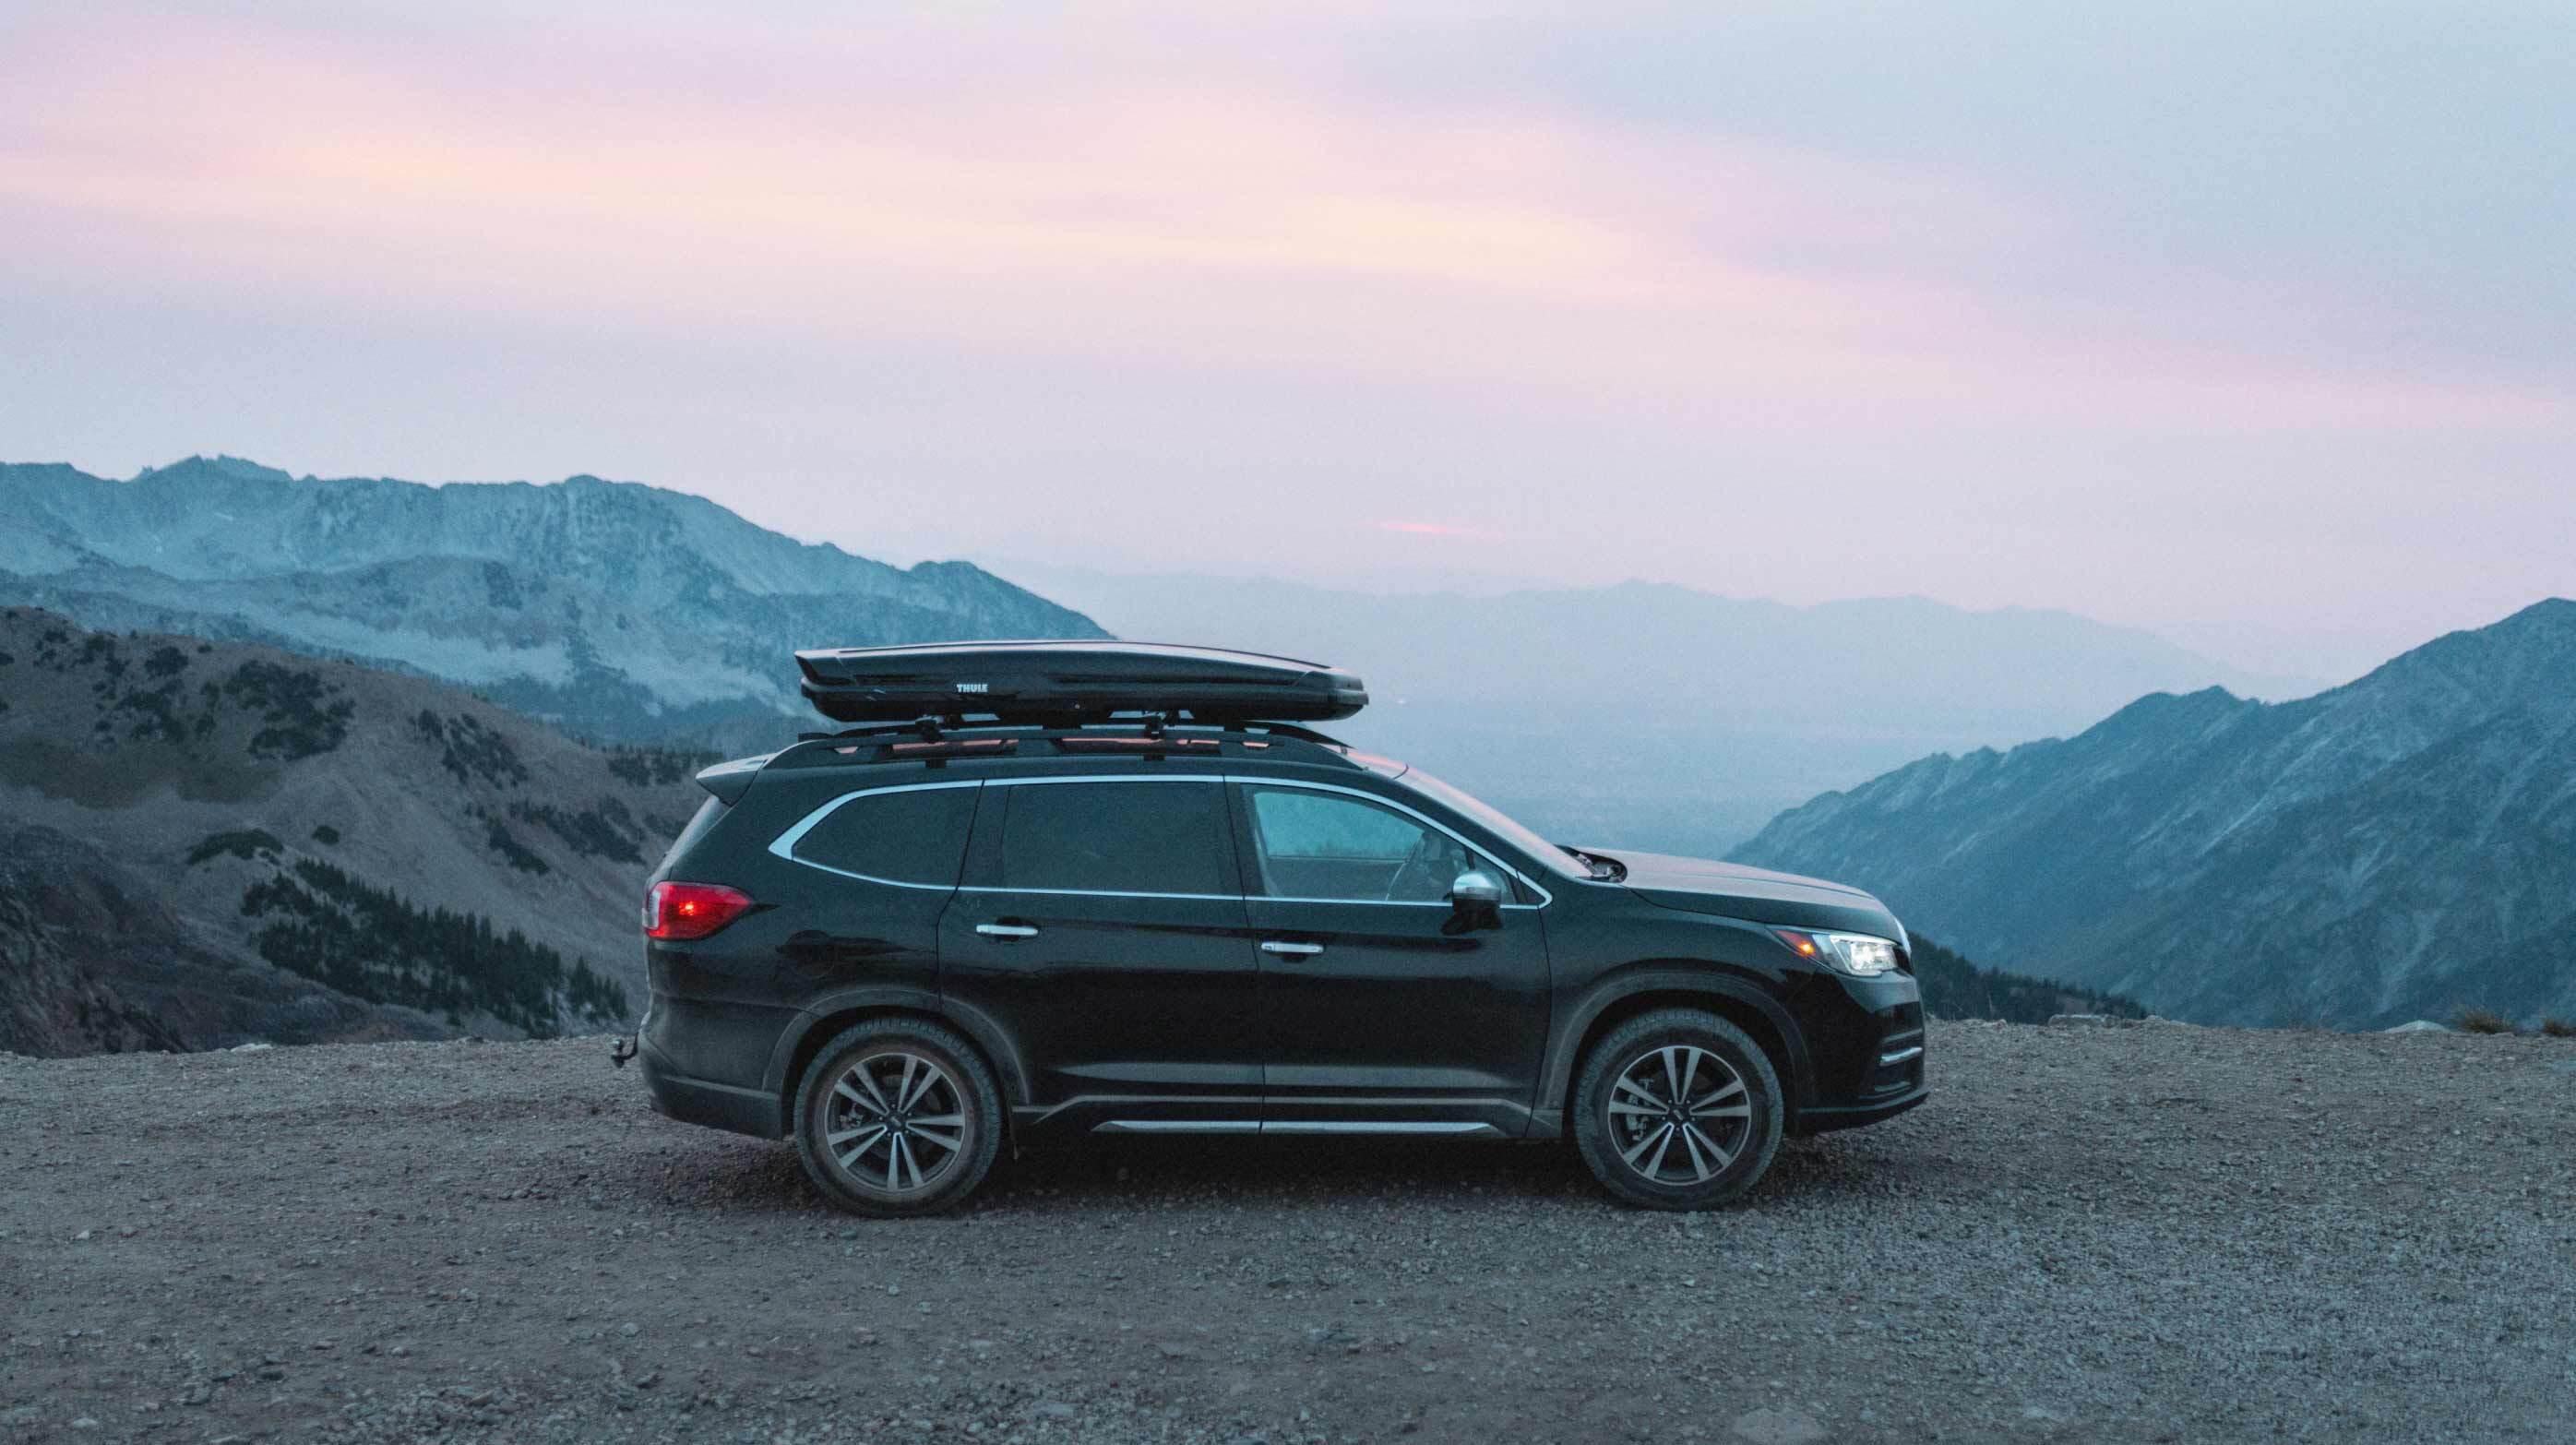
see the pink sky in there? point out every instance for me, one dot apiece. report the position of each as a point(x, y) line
point(1276, 292)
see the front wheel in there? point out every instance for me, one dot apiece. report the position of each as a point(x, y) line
point(897, 1116)
point(1677, 1109)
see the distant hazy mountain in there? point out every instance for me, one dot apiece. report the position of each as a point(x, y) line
point(622, 611)
point(2401, 847)
point(1658, 716)
point(203, 843)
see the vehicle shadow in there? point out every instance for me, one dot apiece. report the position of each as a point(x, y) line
point(735, 1175)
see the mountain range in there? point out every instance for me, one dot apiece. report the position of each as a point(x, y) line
point(208, 843)
point(1641, 714)
point(1656, 716)
point(2400, 847)
point(619, 611)
point(344, 803)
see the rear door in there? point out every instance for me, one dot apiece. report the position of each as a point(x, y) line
point(1102, 927)
point(1381, 1010)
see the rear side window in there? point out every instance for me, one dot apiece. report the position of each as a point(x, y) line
point(911, 836)
point(1143, 837)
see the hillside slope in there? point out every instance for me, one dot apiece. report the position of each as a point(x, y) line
point(619, 611)
point(2401, 847)
point(210, 842)
point(92, 963)
point(1653, 716)
point(1954, 988)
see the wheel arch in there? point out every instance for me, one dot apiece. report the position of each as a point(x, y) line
point(823, 1020)
point(1649, 987)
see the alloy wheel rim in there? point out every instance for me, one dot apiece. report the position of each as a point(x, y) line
point(895, 1122)
point(1679, 1115)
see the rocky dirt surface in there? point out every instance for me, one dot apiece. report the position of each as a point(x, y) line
point(2145, 1233)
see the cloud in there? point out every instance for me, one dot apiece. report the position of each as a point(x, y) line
point(1260, 221)
point(1438, 529)
point(1746, 296)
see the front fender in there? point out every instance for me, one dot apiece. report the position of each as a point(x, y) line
point(1565, 1039)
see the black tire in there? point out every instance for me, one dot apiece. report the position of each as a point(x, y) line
point(1623, 1128)
point(952, 1124)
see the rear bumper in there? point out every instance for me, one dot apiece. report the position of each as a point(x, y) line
point(703, 1101)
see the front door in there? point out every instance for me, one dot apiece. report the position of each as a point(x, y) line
point(1382, 1007)
point(1101, 926)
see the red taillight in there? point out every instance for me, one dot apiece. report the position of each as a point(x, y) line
point(683, 911)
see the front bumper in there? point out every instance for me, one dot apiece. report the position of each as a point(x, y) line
point(1824, 1119)
point(1866, 1040)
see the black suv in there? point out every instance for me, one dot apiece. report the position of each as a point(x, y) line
point(1073, 914)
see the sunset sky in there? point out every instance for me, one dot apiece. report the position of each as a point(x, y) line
point(2252, 324)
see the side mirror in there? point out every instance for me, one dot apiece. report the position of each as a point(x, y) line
point(1478, 899)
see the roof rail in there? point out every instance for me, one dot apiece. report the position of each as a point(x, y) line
point(948, 739)
point(932, 729)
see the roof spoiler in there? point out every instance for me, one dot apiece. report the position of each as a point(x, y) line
point(727, 782)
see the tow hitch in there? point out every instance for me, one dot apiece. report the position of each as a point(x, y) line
point(620, 1050)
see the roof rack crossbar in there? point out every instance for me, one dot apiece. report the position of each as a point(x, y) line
point(1294, 730)
point(972, 733)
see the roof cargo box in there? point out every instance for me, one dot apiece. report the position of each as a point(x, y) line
point(1051, 681)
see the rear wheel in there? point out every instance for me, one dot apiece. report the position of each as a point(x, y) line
point(1677, 1109)
point(897, 1116)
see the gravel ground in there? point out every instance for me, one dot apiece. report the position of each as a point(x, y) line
point(2149, 1233)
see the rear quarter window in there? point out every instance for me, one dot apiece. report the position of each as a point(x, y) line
point(914, 836)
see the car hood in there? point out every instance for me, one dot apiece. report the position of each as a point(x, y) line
point(1700, 885)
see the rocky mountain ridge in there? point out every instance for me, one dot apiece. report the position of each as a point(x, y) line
point(617, 610)
point(2400, 847)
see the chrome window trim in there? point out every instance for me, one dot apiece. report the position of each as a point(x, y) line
point(1099, 893)
point(1109, 778)
point(784, 845)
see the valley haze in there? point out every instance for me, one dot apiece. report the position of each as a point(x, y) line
point(1648, 714)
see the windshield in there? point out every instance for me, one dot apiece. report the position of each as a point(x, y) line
point(1499, 823)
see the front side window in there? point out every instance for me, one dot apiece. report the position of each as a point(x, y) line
point(915, 835)
point(1511, 830)
point(1336, 847)
point(1140, 837)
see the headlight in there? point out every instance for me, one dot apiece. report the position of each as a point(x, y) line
point(1857, 954)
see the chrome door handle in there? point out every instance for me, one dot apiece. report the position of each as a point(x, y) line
point(1006, 930)
point(1293, 950)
